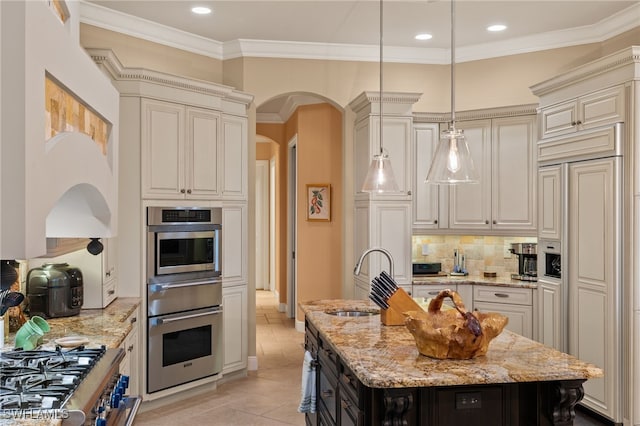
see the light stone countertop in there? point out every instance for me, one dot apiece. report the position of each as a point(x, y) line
point(387, 357)
point(504, 280)
point(99, 326)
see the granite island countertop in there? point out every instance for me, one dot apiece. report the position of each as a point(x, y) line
point(387, 357)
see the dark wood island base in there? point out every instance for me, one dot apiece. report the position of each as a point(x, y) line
point(371, 374)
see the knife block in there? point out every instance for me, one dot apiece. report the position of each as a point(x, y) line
point(399, 302)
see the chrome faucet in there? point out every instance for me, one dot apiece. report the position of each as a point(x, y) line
point(356, 270)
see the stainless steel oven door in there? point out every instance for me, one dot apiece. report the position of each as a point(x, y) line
point(184, 347)
point(183, 251)
point(166, 298)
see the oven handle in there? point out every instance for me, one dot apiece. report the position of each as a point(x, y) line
point(160, 321)
point(156, 288)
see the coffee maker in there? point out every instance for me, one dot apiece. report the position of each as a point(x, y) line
point(527, 261)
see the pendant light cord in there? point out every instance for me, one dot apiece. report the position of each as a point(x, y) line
point(380, 97)
point(453, 67)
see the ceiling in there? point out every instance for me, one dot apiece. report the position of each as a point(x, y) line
point(350, 29)
point(357, 21)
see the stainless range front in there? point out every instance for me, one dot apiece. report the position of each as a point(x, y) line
point(184, 296)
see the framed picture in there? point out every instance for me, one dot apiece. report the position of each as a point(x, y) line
point(319, 202)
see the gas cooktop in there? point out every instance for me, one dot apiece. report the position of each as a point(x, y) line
point(59, 384)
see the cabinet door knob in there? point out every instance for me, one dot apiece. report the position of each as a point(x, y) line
point(133, 320)
point(188, 191)
point(182, 191)
point(108, 273)
point(130, 348)
point(495, 222)
point(574, 123)
point(435, 221)
point(578, 122)
point(345, 403)
point(327, 393)
point(486, 222)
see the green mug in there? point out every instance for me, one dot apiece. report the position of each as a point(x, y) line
point(27, 336)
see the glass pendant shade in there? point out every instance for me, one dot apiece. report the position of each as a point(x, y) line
point(380, 177)
point(452, 162)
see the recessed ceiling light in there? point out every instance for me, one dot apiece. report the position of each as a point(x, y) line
point(424, 36)
point(201, 10)
point(497, 27)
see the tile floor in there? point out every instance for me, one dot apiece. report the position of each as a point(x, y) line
point(267, 397)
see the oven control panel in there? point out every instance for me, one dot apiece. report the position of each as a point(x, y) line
point(107, 409)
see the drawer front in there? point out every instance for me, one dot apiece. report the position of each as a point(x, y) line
point(328, 359)
point(349, 385)
point(516, 296)
point(327, 394)
point(109, 291)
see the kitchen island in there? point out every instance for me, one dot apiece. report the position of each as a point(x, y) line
point(369, 373)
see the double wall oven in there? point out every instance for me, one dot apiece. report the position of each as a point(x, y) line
point(184, 295)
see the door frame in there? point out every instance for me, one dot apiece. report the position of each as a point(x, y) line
point(262, 218)
point(292, 202)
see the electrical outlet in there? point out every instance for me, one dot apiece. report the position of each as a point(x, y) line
point(425, 249)
point(507, 252)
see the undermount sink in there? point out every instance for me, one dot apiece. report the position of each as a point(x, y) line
point(352, 313)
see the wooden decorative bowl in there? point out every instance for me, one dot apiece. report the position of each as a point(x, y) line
point(453, 333)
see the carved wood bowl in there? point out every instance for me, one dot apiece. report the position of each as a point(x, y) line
point(453, 333)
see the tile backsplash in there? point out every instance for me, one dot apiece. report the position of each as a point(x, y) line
point(482, 253)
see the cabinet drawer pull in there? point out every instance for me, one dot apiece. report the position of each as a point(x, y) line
point(327, 393)
point(108, 273)
point(500, 295)
point(134, 319)
point(110, 292)
point(433, 293)
point(345, 403)
point(130, 348)
point(346, 378)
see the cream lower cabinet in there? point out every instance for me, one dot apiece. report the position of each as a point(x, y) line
point(234, 320)
point(514, 303)
point(179, 151)
point(130, 365)
point(551, 308)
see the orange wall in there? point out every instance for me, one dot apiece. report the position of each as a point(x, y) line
point(319, 254)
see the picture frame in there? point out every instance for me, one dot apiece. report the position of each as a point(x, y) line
point(319, 202)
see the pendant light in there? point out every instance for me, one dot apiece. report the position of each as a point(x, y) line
point(452, 162)
point(380, 177)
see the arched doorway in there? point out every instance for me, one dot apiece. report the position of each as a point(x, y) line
point(316, 124)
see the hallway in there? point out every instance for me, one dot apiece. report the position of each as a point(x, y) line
point(267, 397)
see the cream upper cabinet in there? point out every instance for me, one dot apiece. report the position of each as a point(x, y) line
point(179, 151)
point(503, 151)
point(470, 204)
point(550, 202)
point(513, 173)
point(235, 157)
point(426, 203)
point(593, 110)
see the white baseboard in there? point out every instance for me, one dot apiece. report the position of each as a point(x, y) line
point(282, 307)
point(300, 326)
point(252, 363)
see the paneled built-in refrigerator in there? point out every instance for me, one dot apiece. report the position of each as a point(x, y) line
point(582, 309)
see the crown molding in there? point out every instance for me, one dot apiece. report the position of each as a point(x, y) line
point(99, 16)
point(476, 114)
point(108, 61)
